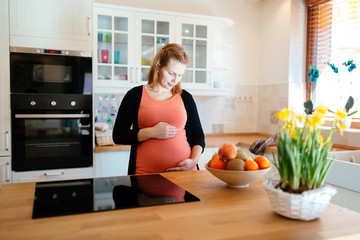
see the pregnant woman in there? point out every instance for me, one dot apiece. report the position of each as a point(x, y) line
point(160, 120)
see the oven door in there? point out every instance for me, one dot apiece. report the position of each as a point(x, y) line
point(59, 74)
point(51, 140)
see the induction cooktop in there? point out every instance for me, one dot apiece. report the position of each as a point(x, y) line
point(102, 194)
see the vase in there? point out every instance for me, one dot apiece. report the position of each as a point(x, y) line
point(347, 122)
point(306, 206)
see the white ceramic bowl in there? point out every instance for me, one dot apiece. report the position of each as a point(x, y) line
point(237, 179)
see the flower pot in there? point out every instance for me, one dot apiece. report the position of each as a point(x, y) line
point(306, 206)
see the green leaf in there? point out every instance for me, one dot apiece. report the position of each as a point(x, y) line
point(309, 108)
point(352, 113)
point(349, 104)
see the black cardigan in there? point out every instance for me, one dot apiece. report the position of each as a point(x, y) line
point(126, 125)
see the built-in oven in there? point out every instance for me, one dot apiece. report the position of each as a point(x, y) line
point(50, 71)
point(51, 109)
point(51, 137)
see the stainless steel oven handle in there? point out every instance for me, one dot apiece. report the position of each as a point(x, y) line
point(52, 115)
point(51, 145)
point(53, 174)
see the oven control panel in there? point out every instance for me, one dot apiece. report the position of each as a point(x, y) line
point(51, 102)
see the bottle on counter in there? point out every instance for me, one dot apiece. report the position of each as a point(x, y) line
point(113, 113)
point(110, 123)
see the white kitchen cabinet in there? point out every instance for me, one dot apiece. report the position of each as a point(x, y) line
point(128, 39)
point(193, 34)
point(126, 44)
point(5, 170)
point(109, 164)
point(5, 113)
point(55, 24)
point(154, 31)
point(52, 175)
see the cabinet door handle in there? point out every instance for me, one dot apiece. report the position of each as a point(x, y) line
point(132, 78)
point(7, 172)
point(210, 78)
point(138, 75)
point(7, 169)
point(7, 142)
point(53, 174)
point(88, 27)
point(133, 75)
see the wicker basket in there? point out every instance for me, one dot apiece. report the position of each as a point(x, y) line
point(104, 138)
point(306, 206)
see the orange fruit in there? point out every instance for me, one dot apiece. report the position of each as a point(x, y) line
point(215, 155)
point(263, 162)
point(251, 165)
point(218, 163)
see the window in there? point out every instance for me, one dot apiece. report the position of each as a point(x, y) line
point(333, 36)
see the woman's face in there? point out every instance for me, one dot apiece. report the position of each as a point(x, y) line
point(171, 74)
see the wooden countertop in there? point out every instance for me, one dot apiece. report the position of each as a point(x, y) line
point(215, 140)
point(221, 213)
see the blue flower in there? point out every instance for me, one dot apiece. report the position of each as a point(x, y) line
point(335, 69)
point(350, 64)
point(313, 73)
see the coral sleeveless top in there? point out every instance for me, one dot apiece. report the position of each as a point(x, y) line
point(157, 155)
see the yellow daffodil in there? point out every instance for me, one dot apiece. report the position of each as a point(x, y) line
point(316, 121)
point(321, 109)
point(340, 114)
point(294, 134)
point(321, 138)
point(340, 127)
point(301, 118)
point(283, 115)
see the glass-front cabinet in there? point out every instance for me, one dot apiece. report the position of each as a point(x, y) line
point(126, 45)
point(114, 57)
point(155, 32)
point(194, 37)
point(128, 39)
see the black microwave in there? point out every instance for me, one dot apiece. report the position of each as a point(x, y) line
point(50, 71)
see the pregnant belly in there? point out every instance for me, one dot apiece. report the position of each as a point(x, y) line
point(155, 155)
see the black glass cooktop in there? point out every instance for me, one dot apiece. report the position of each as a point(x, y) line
point(102, 194)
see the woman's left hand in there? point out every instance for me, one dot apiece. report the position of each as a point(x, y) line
point(185, 165)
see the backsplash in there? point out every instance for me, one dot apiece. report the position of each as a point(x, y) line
point(228, 114)
point(272, 98)
point(249, 108)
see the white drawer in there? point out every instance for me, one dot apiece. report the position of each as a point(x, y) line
point(52, 175)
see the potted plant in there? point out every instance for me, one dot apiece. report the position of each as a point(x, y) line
point(302, 165)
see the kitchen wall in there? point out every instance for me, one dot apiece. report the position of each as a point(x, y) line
point(263, 51)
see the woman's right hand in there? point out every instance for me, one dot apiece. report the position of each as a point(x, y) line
point(163, 130)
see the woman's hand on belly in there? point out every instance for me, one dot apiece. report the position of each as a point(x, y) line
point(161, 130)
point(185, 165)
